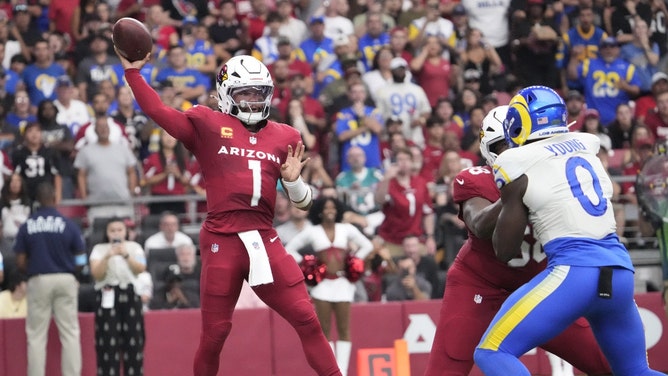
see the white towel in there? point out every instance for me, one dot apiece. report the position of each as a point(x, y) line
point(260, 270)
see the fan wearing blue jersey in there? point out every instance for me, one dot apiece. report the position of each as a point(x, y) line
point(553, 180)
point(607, 81)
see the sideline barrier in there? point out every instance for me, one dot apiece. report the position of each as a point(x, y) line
point(263, 344)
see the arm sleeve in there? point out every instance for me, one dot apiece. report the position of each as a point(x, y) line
point(176, 123)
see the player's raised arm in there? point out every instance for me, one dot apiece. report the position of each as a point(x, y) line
point(175, 122)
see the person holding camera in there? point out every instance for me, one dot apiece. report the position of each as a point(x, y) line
point(409, 285)
point(119, 321)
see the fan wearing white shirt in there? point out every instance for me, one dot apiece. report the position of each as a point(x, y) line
point(168, 236)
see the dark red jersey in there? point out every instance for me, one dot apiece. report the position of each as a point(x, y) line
point(241, 168)
point(477, 255)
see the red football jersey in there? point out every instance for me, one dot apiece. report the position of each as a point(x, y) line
point(477, 255)
point(404, 210)
point(241, 168)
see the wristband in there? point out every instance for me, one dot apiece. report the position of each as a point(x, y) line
point(299, 192)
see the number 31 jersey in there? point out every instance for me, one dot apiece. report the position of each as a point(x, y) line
point(477, 255)
point(568, 197)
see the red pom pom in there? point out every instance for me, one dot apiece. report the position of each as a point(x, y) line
point(354, 268)
point(312, 269)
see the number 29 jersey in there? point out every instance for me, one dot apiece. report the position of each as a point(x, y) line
point(477, 257)
point(568, 197)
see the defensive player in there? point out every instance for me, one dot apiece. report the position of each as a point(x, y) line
point(478, 283)
point(553, 179)
point(242, 155)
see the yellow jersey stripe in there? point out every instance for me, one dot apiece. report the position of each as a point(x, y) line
point(523, 307)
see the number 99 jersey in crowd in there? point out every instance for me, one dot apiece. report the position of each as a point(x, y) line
point(570, 211)
point(478, 254)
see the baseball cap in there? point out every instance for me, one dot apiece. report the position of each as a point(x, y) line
point(459, 10)
point(63, 80)
point(591, 113)
point(574, 94)
point(609, 41)
point(398, 62)
point(315, 19)
point(658, 76)
point(606, 144)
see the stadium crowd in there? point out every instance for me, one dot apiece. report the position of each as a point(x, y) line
point(388, 96)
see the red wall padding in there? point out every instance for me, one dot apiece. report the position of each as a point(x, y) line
point(263, 344)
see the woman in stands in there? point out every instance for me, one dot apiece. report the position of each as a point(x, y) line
point(119, 322)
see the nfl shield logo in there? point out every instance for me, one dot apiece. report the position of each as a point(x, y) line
point(214, 248)
point(252, 140)
point(256, 245)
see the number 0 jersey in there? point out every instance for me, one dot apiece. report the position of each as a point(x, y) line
point(568, 197)
point(477, 255)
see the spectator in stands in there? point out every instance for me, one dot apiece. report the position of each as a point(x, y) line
point(16, 206)
point(432, 24)
point(332, 242)
point(490, 19)
point(575, 109)
point(642, 53)
point(296, 116)
point(226, 33)
point(14, 301)
point(379, 73)
point(535, 42)
point(315, 174)
point(621, 129)
point(297, 223)
point(436, 74)
point(446, 112)
point(265, 47)
point(464, 102)
point(291, 27)
point(21, 113)
point(189, 83)
point(40, 76)
point(87, 133)
point(181, 289)
point(406, 204)
point(433, 152)
point(471, 138)
point(36, 163)
point(168, 236)
point(622, 18)
point(406, 100)
point(96, 68)
point(399, 43)
point(317, 45)
point(313, 113)
point(408, 285)
point(461, 26)
point(425, 266)
point(119, 320)
point(592, 124)
point(199, 51)
point(657, 119)
point(373, 40)
point(161, 27)
point(25, 25)
point(480, 56)
point(82, 12)
point(450, 231)
point(357, 185)
point(106, 172)
point(605, 96)
point(336, 19)
point(647, 102)
point(580, 43)
point(133, 121)
point(359, 125)
point(71, 112)
point(50, 256)
point(166, 174)
point(58, 138)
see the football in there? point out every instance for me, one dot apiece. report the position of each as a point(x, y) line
point(131, 38)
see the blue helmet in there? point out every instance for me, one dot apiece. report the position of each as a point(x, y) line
point(535, 112)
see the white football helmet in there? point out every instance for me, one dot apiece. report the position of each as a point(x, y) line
point(245, 76)
point(491, 132)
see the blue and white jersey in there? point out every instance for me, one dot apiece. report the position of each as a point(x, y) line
point(568, 196)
